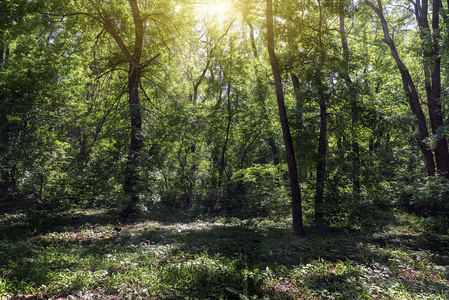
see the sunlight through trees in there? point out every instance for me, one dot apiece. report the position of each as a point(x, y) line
point(192, 104)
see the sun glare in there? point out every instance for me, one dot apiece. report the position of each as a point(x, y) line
point(217, 9)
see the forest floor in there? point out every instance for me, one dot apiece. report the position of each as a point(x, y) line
point(90, 255)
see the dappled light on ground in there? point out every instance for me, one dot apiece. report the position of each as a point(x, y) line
point(90, 255)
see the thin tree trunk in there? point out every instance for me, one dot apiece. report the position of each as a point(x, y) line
point(261, 98)
point(299, 107)
point(349, 86)
point(4, 52)
point(209, 59)
point(41, 188)
point(13, 177)
point(1, 56)
point(322, 140)
point(321, 164)
point(409, 89)
point(298, 228)
point(196, 84)
point(225, 144)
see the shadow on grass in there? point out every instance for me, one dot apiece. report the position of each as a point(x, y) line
point(27, 238)
point(265, 245)
point(36, 222)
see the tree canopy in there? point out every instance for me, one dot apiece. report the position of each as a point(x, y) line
point(317, 108)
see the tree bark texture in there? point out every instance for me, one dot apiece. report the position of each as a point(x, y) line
point(432, 71)
point(298, 228)
point(409, 89)
point(135, 145)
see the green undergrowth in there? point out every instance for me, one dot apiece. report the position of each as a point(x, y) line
point(82, 255)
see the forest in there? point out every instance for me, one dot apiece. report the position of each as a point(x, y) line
point(224, 149)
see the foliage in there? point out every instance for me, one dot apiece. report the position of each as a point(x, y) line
point(216, 147)
point(80, 255)
point(210, 145)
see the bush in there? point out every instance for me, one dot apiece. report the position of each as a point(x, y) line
point(428, 197)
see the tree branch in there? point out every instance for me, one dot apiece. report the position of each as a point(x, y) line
point(138, 24)
point(148, 62)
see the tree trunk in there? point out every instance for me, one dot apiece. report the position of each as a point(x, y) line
point(432, 65)
point(3, 53)
point(349, 86)
point(12, 177)
point(298, 228)
point(41, 189)
point(299, 107)
point(253, 43)
point(134, 55)
point(133, 160)
point(409, 89)
point(225, 144)
point(197, 83)
point(321, 164)
point(432, 71)
point(1, 56)
point(322, 140)
point(261, 99)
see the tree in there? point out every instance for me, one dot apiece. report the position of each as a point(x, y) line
point(409, 89)
point(298, 228)
point(342, 10)
point(31, 85)
point(430, 38)
point(140, 34)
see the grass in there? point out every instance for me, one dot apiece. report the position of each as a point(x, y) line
point(80, 255)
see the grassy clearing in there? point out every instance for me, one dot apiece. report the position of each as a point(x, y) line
point(81, 255)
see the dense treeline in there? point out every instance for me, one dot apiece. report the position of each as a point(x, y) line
point(134, 104)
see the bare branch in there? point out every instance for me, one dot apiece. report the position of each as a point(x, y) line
point(103, 120)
